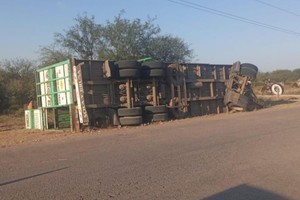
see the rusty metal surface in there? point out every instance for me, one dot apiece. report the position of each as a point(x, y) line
point(188, 89)
point(239, 95)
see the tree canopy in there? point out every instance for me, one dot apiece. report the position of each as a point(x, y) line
point(170, 49)
point(17, 84)
point(82, 39)
point(52, 54)
point(125, 39)
point(119, 39)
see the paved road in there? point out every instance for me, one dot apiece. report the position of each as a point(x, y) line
point(237, 156)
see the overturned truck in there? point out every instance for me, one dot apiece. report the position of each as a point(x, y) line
point(94, 93)
point(239, 95)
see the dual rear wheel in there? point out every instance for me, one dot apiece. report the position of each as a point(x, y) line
point(153, 69)
point(155, 114)
point(137, 116)
point(128, 69)
point(130, 116)
point(133, 69)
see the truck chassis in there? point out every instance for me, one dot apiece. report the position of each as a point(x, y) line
point(128, 92)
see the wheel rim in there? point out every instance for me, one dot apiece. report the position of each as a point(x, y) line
point(276, 89)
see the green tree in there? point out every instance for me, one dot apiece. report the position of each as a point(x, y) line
point(278, 75)
point(281, 75)
point(261, 78)
point(134, 39)
point(3, 94)
point(170, 49)
point(119, 39)
point(296, 74)
point(3, 100)
point(52, 54)
point(125, 39)
point(18, 82)
point(83, 39)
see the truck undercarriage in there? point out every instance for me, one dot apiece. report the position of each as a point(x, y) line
point(95, 93)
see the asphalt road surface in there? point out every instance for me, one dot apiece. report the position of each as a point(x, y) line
point(253, 155)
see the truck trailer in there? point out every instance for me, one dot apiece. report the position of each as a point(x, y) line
point(83, 94)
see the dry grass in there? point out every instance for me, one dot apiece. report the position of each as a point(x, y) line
point(290, 95)
point(13, 132)
point(11, 122)
point(288, 90)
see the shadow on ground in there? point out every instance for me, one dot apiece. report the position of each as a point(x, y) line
point(32, 176)
point(269, 102)
point(245, 192)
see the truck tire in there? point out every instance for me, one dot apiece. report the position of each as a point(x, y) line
point(155, 109)
point(129, 73)
point(153, 69)
point(132, 120)
point(149, 73)
point(276, 89)
point(153, 65)
point(123, 112)
point(157, 73)
point(127, 64)
point(249, 70)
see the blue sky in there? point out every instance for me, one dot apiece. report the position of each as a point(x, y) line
point(27, 25)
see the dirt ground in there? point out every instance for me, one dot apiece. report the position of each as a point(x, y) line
point(13, 132)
